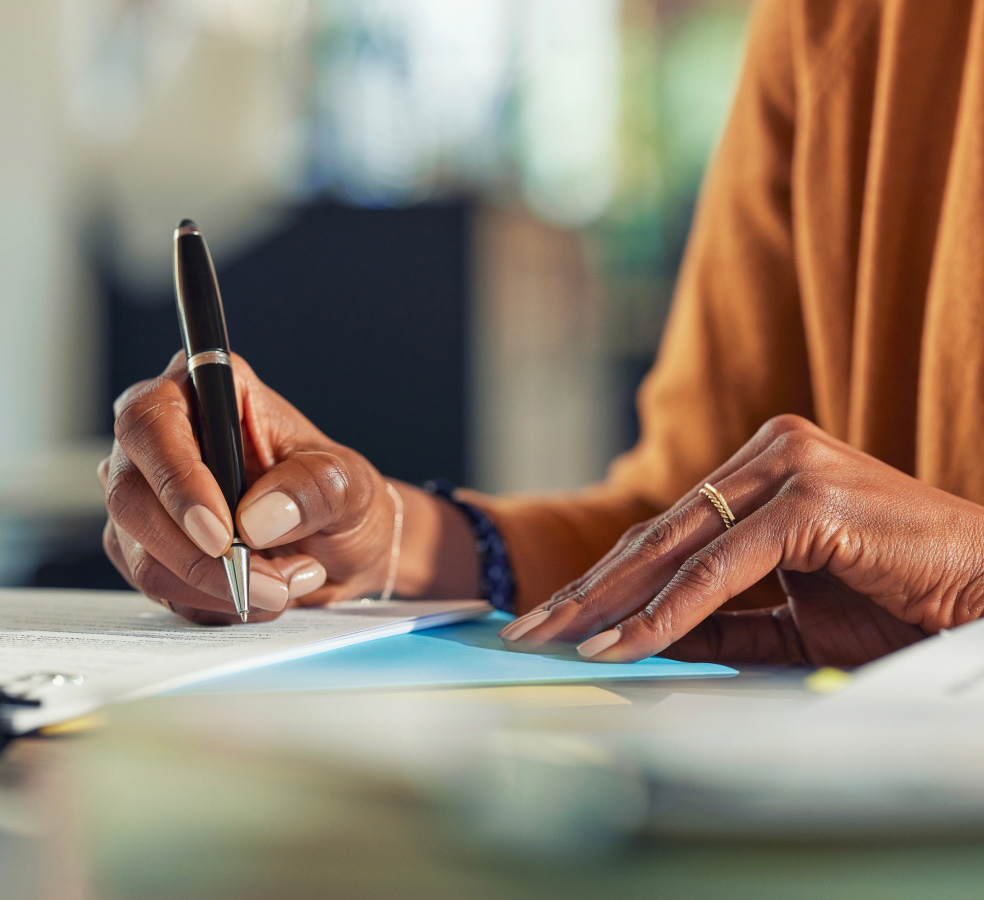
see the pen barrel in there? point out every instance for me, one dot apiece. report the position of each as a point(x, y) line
point(196, 288)
point(221, 447)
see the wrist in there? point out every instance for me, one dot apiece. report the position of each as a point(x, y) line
point(495, 581)
point(438, 558)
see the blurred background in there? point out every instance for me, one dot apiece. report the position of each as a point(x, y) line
point(447, 231)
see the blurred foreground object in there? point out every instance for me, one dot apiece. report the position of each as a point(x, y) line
point(747, 789)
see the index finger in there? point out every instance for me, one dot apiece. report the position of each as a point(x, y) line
point(727, 566)
point(153, 429)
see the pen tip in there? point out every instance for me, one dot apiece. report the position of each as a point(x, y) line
point(236, 563)
point(186, 223)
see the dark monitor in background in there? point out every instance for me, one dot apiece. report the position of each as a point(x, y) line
point(357, 316)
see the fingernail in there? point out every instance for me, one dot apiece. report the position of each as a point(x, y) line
point(593, 646)
point(269, 518)
point(206, 529)
point(515, 630)
point(266, 592)
point(308, 579)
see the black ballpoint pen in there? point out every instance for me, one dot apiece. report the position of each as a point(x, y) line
point(216, 415)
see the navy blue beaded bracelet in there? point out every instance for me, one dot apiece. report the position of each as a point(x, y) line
point(495, 574)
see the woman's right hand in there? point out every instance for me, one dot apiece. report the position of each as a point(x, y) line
point(316, 514)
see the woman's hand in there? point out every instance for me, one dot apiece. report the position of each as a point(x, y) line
point(870, 560)
point(317, 512)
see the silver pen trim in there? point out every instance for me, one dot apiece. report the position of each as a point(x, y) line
point(208, 356)
point(236, 563)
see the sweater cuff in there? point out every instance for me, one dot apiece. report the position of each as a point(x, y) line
point(552, 540)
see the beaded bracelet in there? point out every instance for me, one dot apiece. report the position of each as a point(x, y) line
point(495, 574)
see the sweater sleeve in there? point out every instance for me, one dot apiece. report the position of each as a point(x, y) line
point(733, 353)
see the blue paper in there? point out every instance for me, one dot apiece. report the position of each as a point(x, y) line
point(466, 654)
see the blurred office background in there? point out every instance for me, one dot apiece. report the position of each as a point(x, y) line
point(447, 230)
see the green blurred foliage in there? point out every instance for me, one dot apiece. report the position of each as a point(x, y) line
point(678, 78)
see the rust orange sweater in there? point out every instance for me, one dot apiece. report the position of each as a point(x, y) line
point(835, 269)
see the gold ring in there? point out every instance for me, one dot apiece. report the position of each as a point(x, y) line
point(719, 503)
point(167, 605)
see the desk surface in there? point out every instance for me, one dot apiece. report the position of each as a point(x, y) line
point(181, 797)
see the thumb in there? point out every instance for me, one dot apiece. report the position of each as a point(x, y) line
point(310, 491)
point(841, 627)
point(765, 636)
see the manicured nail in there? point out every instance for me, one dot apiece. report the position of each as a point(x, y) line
point(269, 518)
point(206, 529)
point(308, 579)
point(266, 592)
point(593, 646)
point(515, 630)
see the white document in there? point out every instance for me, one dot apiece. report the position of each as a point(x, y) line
point(895, 753)
point(75, 651)
point(945, 673)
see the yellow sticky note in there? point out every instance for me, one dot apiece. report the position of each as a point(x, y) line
point(73, 726)
point(828, 680)
point(539, 696)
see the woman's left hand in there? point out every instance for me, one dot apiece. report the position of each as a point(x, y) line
point(870, 560)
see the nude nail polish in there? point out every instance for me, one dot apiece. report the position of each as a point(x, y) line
point(306, 580)
point(266, 592)
point(595, 645)
point(515, 630)
point(206, 529)
point(269, 518)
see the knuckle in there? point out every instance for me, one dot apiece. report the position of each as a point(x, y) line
point(197, 572)
point(343, 485)
point(704, 568)
point(807, 488)
point(799, 450)
point(146, 574)
point(330, 481)
point(656, 535)
point(782, 424)
point(128, 411)
point(169, 476)
point(138, 412)
point(579, 597)
point(129, 395)
point(655, 619)
point(134, 418)
point(564, 592)
point(589, 611)
point(648, 618)
point(121, 488)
